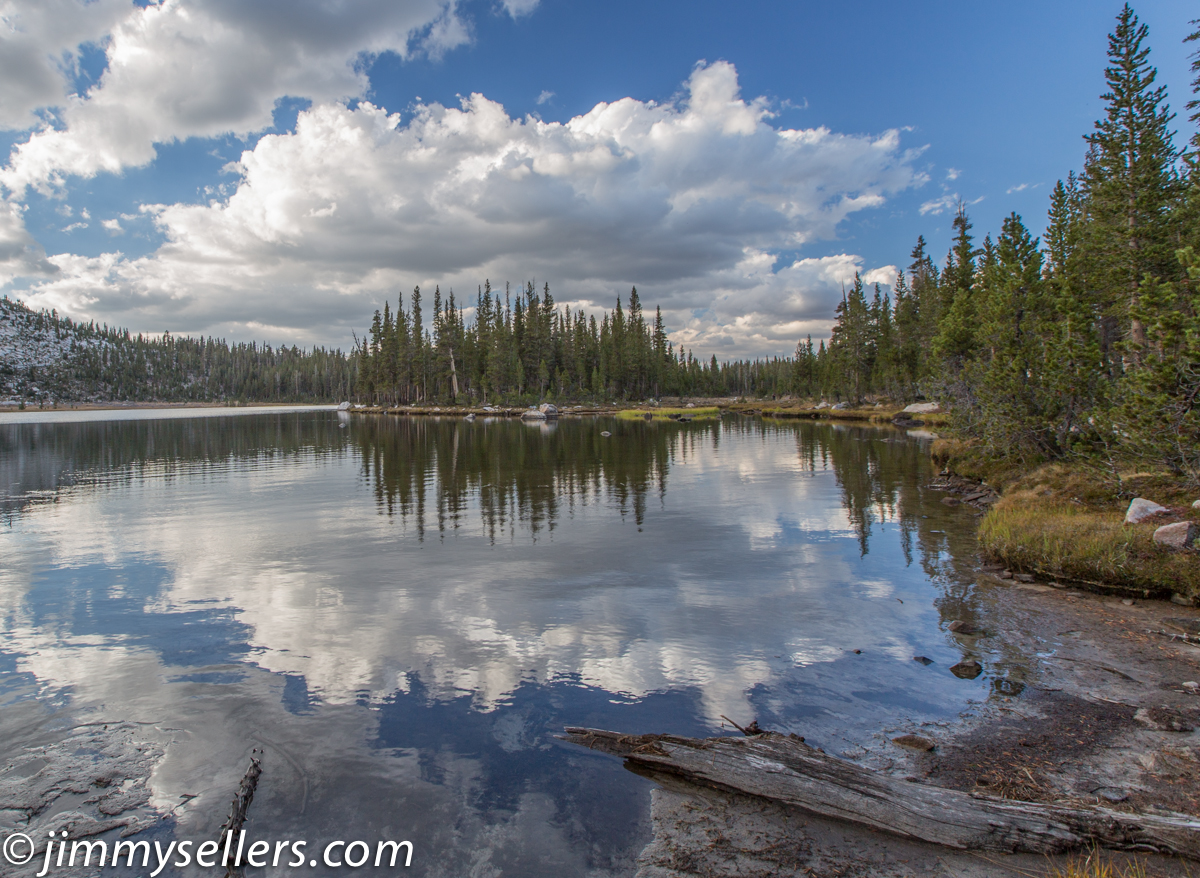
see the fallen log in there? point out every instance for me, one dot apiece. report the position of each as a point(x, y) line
point(785, 769)
point(232, 827)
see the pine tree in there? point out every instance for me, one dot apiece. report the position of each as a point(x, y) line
point(851, 344)
point(954, 343)
point(1194, 103)
point(1074, 373)
point(910, 340)
point(1159, 414)
point(1012, 317)
point(1131, 187)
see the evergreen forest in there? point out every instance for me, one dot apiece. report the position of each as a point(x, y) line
point(1083, 341)
point(56, 358)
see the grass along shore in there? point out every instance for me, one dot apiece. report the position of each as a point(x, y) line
point(1066, 522)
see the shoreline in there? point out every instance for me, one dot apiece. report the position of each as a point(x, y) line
point(1089, 708)
point(1095, 715)
point(6, 408)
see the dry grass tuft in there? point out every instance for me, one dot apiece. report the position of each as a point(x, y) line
point(1094, 866)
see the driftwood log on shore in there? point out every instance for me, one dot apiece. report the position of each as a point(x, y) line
point(785, 769)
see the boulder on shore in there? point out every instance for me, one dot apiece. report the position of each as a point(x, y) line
point(922, 408)
point(1140, 509)
point(1178, 536)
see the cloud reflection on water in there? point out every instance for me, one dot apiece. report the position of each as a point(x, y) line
point(456, 591)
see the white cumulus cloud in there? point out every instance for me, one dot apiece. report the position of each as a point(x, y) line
point(39, 51)
point(691, 201)
point(20, 254)
point(189, 68)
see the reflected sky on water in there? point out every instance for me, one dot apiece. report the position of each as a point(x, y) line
point(405, 611)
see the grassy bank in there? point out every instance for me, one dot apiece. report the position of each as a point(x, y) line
point(1066, 522)
point(883, 414)
point(670, 414)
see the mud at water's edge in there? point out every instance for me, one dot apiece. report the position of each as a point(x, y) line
point(1101, 718)
point(91, 781)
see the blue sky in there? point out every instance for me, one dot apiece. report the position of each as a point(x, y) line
point(273, 170)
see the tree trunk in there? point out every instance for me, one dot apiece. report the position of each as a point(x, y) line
point(783, 768)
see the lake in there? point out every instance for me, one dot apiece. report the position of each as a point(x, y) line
point(403, 613)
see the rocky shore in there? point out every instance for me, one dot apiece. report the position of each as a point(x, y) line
point(1097, 709)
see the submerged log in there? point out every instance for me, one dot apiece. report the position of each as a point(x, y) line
point(785, 769)
point(233, 824)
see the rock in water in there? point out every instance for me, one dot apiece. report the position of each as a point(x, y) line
point(925, 660)
point(960, 627)
point(1140, 509)
point(967, 670)
point(951, 501)
point(605, 433)
point(916, 742)
point(1178, 536)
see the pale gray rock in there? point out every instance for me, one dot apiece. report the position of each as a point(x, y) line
point(921, 408)
point(1140, 509)
point(1178, 536)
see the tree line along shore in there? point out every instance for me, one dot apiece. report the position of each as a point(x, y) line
point(1068, 365)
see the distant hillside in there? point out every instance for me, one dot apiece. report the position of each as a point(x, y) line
point(45, 358)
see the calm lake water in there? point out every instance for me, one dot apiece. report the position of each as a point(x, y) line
point(404, 612)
